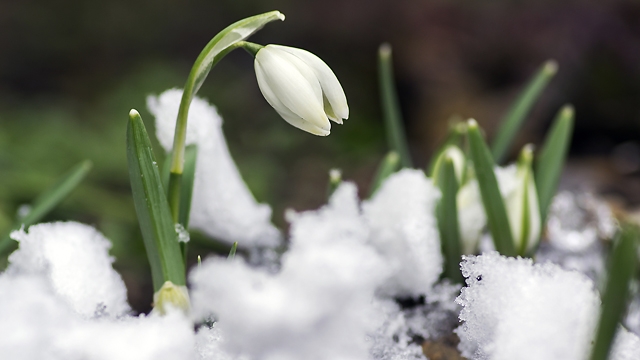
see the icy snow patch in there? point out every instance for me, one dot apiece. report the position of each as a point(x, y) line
point(75, 259)
point(513, 309)
point(319, 306)
point(222, 205)
point(404, 232)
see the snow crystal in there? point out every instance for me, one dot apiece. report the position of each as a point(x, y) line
point(513, 309)
point(319, 306)
point(183, 234)
point(404, 232)
point(75, 259)
point(222, 205)
point(209, 345)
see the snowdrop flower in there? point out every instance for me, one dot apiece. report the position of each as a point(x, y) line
point(300, 87)
point(522, 205)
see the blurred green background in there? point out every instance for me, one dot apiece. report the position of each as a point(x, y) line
point(71, 70)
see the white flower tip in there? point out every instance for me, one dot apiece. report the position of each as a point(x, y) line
point(472, 123)
point(133, 113)
point(335, 175)
point(171, 296)
point(280, 15)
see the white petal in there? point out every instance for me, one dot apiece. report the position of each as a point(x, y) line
point(330, 85)
point(283, 111)
point(293, 84)
point(535, 225)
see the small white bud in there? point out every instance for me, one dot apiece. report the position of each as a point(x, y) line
point(171, 296)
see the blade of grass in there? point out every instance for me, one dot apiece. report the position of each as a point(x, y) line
point(512, 121)
point(622, 265)
point(552, 157)
point(388, 166)
point(490, 191)
point(447, 215)
point(152, 208)
point(49, 199)
point(396, 135)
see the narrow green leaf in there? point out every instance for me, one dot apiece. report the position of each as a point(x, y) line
point(396, 135)
point(490, 191)
point(152, 208)
point(552, 157)
point(49, 199)
point(388, 166)
point(232, 252)
point(621, 265)
point(512, 121)
point(335, 179)
point(447, 215)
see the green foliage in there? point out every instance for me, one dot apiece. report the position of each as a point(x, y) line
point(512, 121)
point(491, 197)
point(396, 135)
point(447, 215)
point(622, 265)
point(152, 208)
point(553, 154)
point(49, 199)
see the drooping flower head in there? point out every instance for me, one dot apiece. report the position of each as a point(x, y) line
point(301, 88)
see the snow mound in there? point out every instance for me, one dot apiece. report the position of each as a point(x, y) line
point(318, 306)
point(401, 218)
point(222, 206)
point(75, 259)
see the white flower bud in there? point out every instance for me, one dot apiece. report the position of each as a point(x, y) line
point(522, 205)
point(301, 88)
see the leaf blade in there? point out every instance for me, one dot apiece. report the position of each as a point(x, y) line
point(513, 119)
point(490, 191)
point(552, 157)
point(390, 164)
point(152, 208)
point(396, 135)
point(447, 216)
point(50, 198)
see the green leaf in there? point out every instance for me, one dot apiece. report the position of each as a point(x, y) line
point(388, 166)
point(552, 157)
point(489, 190)
point(335, 179)
point(447, 215)
point(622, 265)
point(396, 135)
point(157, 227)
point(512, 121)
point(49, 199)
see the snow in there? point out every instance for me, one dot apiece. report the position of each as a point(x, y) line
point(318, 306)
point(401, 216)
point(75, 259)
point(222, 206)
point(514, 309)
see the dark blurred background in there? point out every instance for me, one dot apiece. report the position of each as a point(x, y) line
point(71, 70)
